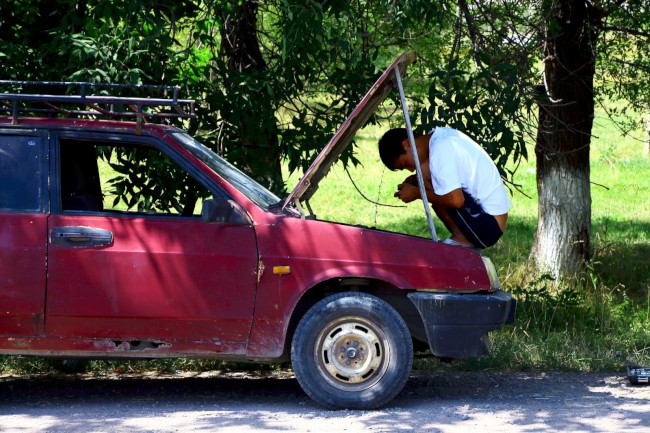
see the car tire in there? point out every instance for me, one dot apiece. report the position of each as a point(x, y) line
point(352, 350)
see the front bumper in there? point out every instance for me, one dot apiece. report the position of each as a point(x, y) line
point(457, 324)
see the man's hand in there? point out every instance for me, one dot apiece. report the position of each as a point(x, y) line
point(407, 192)
point(412, 179)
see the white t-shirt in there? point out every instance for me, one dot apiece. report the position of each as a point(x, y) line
point(456, 161)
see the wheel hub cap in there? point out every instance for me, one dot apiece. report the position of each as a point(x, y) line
point(351, 352)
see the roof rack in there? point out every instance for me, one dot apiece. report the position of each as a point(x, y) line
point(78, 99)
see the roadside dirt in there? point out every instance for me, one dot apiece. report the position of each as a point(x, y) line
point(430, 402)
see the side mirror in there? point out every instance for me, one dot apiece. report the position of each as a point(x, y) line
point(223, 211)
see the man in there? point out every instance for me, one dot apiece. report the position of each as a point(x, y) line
point(461, 181)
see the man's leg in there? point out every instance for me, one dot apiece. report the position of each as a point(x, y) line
point(456, 233)
point(479, 228)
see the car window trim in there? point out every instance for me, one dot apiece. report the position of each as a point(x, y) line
point(108, 137)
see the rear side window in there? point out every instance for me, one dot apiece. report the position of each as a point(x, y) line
point(20, 173)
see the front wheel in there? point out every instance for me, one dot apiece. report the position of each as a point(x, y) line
point(352, 350)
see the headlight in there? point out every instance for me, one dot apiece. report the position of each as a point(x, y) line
point(492, 274)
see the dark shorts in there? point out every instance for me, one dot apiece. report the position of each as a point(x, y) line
point(479, 227)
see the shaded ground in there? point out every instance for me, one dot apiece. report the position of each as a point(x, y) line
point(430, 402)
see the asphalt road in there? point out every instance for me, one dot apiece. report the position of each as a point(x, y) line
point(431, 402)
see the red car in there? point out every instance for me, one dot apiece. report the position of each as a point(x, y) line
point(100, 258)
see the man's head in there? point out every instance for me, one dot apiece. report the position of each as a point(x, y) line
point(395, 150)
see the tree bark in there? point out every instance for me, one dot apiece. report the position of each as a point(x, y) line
point(566, 109)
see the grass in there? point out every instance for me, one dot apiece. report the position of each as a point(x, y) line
point(599, 321)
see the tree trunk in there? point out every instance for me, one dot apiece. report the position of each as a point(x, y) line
point(646, 146)
point(566, 110)
point(257, 124)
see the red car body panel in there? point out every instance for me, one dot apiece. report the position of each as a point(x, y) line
point(163, 278)
point(22, 273)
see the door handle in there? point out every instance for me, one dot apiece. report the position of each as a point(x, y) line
point(79, 236)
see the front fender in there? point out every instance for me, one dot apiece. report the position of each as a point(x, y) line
point(297, 255)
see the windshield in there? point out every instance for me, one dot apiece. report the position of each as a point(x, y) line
point(244, 184)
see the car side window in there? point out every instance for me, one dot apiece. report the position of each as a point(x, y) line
point(21, 173)
point(119, 177)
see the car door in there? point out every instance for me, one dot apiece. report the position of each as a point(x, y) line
point(23, 232)
point(129, 256)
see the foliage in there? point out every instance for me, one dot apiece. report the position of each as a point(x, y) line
point(624, 59)
point(485, 105)
point(273, 79)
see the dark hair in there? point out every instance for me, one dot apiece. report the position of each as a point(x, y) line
point(390, 146)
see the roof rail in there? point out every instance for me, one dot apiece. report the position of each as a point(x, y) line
point(78, 99)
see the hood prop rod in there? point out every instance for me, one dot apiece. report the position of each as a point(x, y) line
point(416, 159)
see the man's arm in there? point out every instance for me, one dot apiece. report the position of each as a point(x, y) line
point(407, 192)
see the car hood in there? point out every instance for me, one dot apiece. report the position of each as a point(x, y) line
point(308, 184)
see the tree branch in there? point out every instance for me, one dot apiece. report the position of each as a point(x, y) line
point(626, 30)
point(462, 4)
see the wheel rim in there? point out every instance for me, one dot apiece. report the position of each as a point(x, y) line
point(352, 353)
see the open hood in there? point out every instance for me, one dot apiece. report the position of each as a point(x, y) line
point(308, 184)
